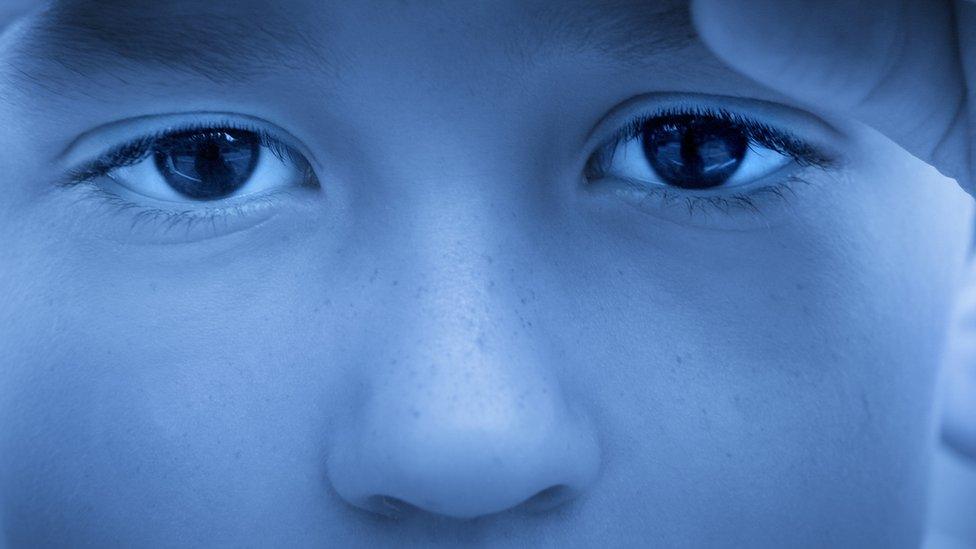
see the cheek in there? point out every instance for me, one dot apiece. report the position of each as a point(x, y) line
point(132, 388)
point(781, 368)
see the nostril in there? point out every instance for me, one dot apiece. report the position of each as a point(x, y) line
point(548, 499)
point(389, 507)
point(397, 509)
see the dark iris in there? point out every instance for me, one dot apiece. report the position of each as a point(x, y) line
point(694, 152)
point(207, 164)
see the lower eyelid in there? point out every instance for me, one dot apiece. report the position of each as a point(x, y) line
point(155, 225)
point(757, 208)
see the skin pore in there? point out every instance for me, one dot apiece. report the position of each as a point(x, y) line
point(459, 333)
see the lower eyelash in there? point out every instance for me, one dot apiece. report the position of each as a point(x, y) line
point(750, 202)
point(168, 221)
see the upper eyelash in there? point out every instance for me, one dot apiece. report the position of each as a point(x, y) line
point(758, 132)
point(136, 151)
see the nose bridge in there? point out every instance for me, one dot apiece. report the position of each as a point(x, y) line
point(466, 304)
point(464, 413)
point(466, 277)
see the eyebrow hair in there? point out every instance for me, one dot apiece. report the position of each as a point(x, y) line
point(207, 40)
point(90, 37)
point(627, 32)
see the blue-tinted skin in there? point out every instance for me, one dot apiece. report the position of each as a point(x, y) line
point(457, 327)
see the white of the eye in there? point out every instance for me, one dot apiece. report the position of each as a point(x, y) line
point(630, 162)
point(145, 179)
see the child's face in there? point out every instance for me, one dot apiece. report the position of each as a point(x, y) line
point(466, 304)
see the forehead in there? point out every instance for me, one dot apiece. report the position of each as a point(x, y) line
point(225, 36)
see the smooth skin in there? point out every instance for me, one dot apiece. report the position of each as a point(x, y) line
point(906, 68)
point(953, 490)
point(457, 340)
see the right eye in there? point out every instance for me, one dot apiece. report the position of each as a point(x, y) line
point(699, 151)
point(201, 165)
point(692, 152)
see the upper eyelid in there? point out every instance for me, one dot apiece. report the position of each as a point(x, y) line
point(122, 132)
point(782, 141)
point(137, 151)
point(823, 134)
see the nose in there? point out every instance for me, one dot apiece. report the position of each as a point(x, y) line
point(456, 416)
point(463, 446)
point(463, 406)
point(464, 454)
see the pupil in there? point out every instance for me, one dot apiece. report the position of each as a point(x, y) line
point(207, 165)
point(692, 152)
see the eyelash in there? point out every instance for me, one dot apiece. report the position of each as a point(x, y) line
point(136, 151)
point(142, 148)
point(171, 220)
point(596, 168)
point(802, 154)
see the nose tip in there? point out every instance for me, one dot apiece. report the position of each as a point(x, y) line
point(463, 468)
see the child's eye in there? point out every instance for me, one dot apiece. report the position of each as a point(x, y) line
point(223, 171)
point(702, 157)
point(199, 166)
point(694, 152)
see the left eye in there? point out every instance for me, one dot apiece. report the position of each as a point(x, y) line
point(691, 151)
point(204, 165)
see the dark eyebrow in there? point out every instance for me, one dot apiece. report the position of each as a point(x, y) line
point(210, 40)
point(630, 33)
point(199, 38)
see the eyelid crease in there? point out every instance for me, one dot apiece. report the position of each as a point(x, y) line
point(175, 122)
